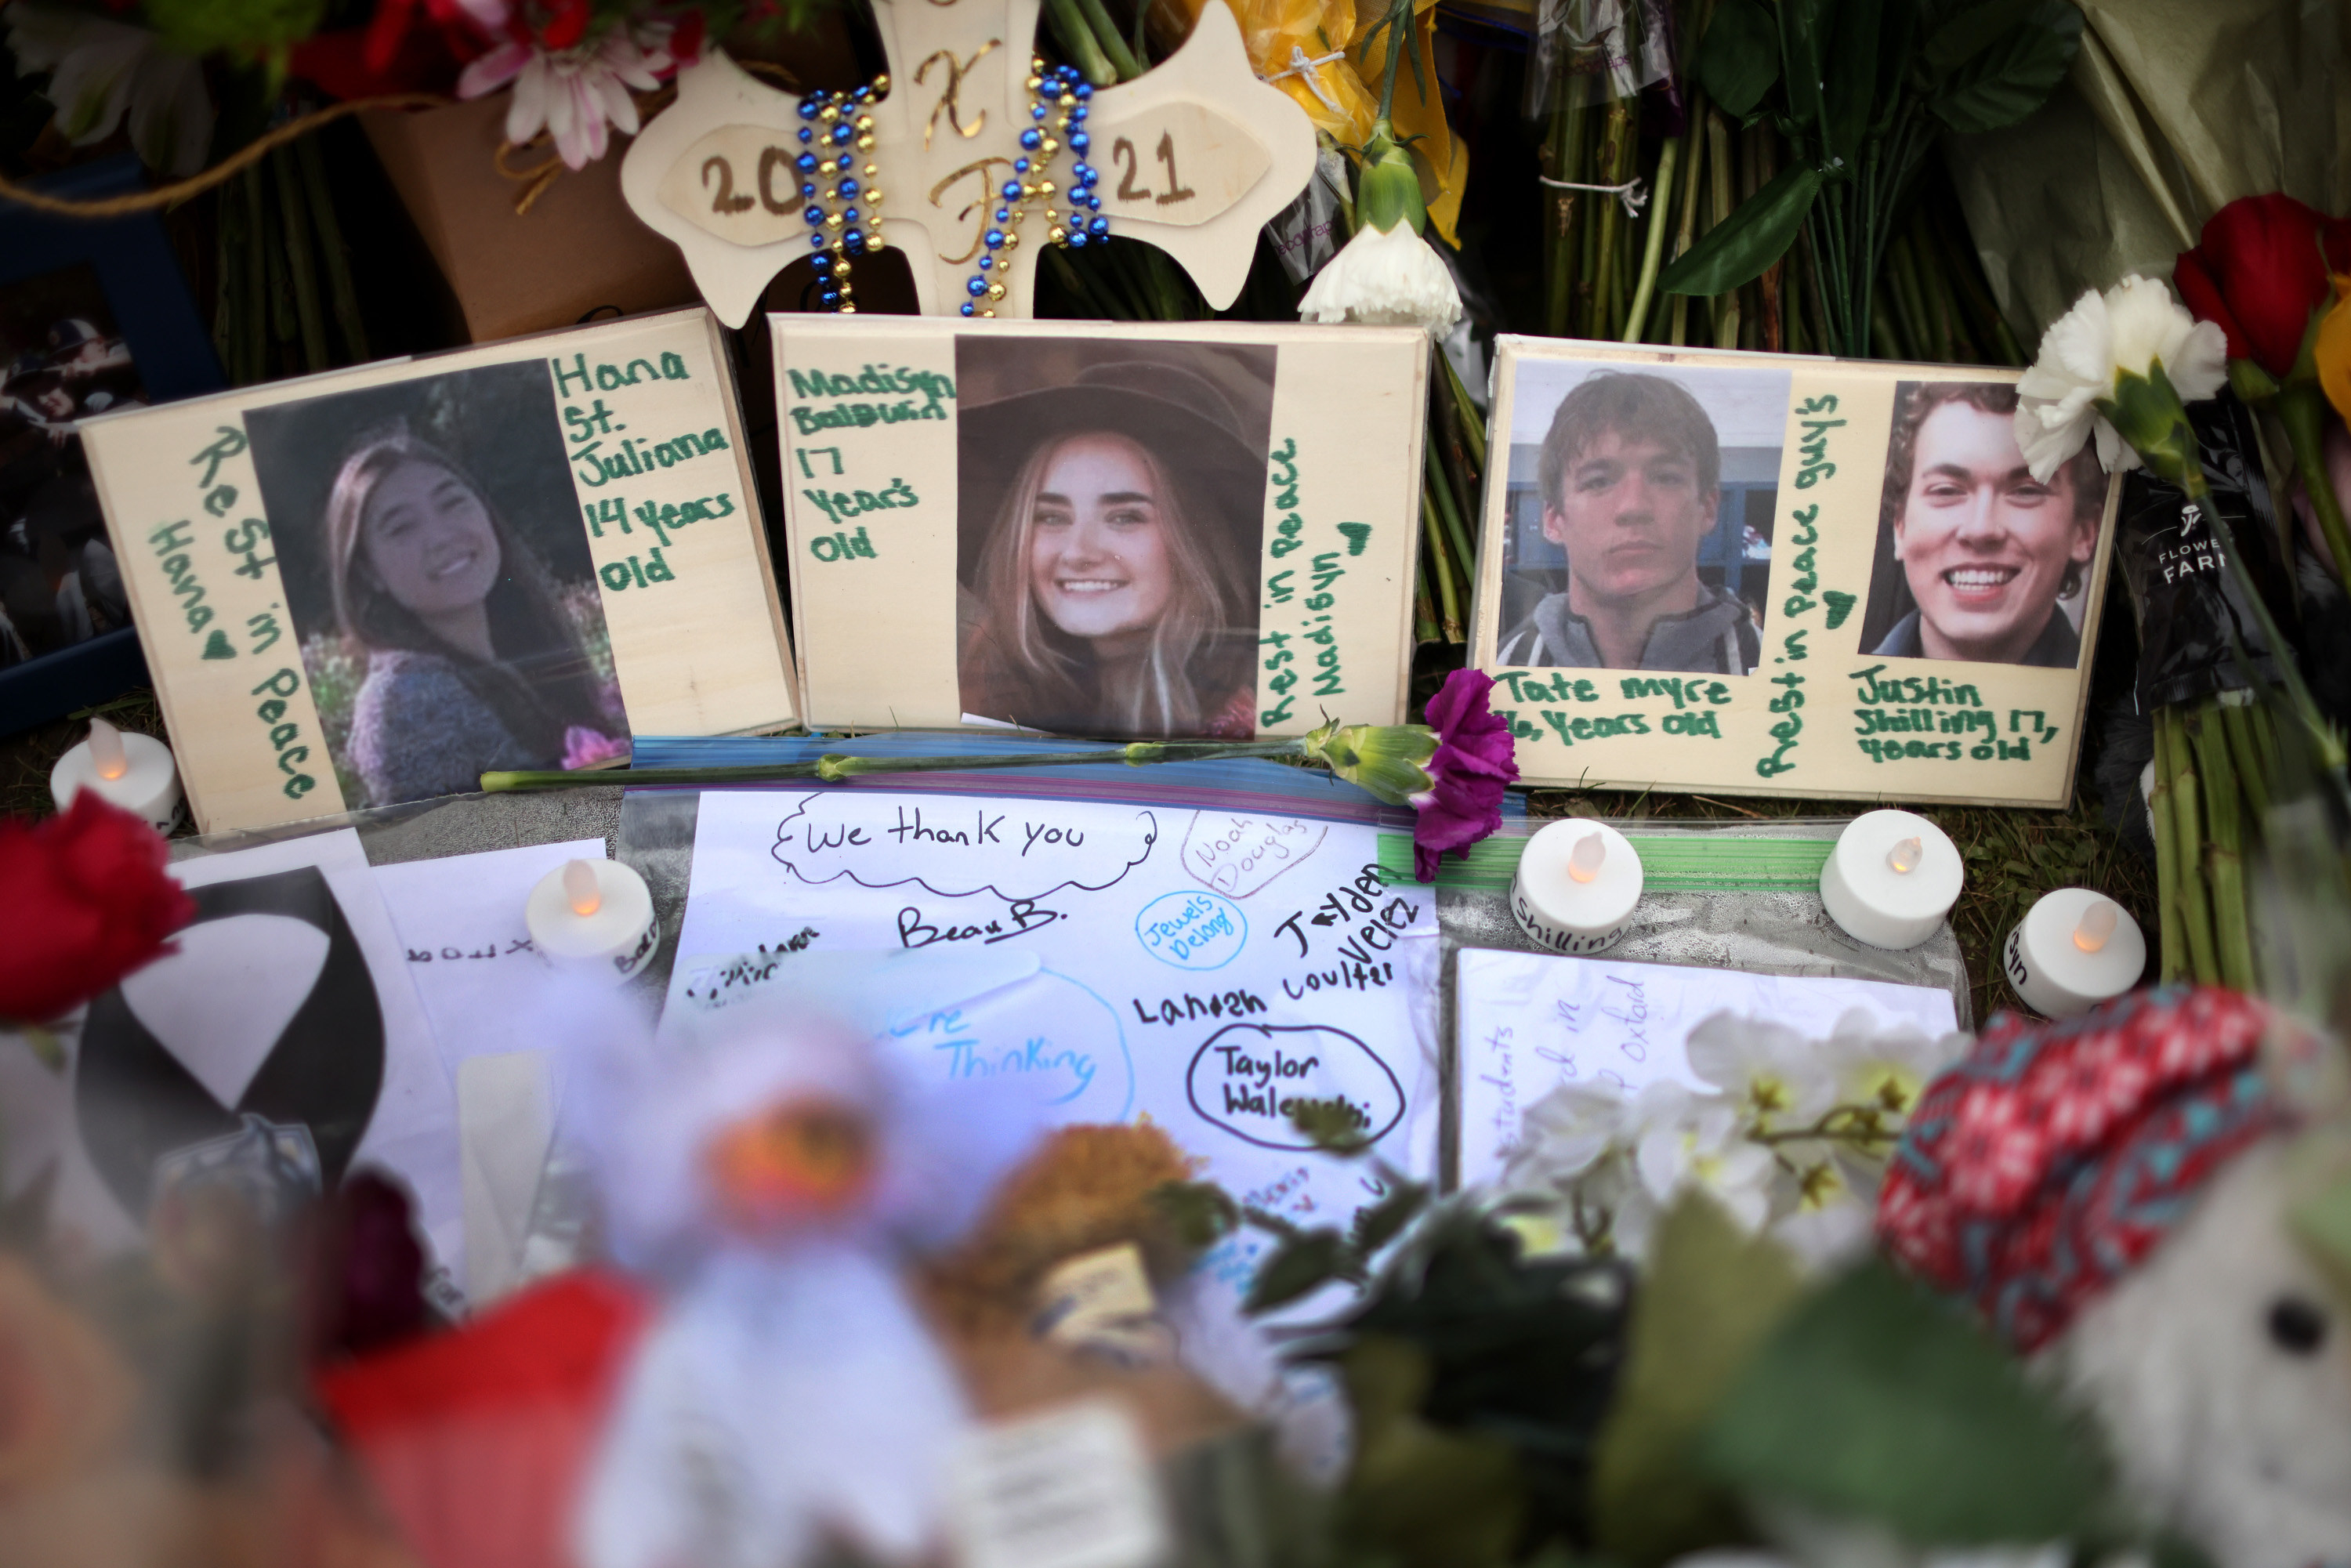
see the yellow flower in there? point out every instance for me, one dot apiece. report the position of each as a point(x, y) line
point(2333, 350)
point(1288, 42)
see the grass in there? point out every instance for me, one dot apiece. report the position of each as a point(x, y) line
point(2013, 856)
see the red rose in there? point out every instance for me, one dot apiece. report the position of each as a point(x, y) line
point(2259, 270)
point(84, 901)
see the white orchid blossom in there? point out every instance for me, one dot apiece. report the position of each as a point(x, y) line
point(101, 69)
point(2125, 331)
point(1777, 1080)
point(578, 96)
point(1687, 1140)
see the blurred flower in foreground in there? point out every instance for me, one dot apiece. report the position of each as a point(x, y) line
point(1787, 1134)
point(67, 1395)
point(84, 901)
point(1387, 276)
point(100, 68)
point(788, 1395)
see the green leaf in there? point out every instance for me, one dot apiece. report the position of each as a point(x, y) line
point(1303, 1265)
point(1377, 1226)
point(1877, 1402)
point(1807, 30)
point(1712, 1296)
point(1417, 1494)
point(1757, 232)
point(1201, 1213)
point(1738, 59)
point(1851, 89)
point(1983, 84)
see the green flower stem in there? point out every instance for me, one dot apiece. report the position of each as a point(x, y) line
point(1471, 423)
point(1448, 601)
point(2301, 409)
point(307, 311)
point(2224, 856)
point(1617, 143)
point(1653, 248)
point(834, 767)
point(1114, 44)
point(2253, 775)
point(1563, 161)
point(1077, 40)
point(2173, 951)
point(1441, 492)
point(332, 249)
point(2187, 836)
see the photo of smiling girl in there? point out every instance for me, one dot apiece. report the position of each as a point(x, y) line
point(1110, 529)
point(446, 612)
point(1977, 560)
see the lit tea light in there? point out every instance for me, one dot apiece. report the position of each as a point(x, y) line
point(2072, 950)
point(595, 916)
point(1892, 878)
point(130, 770)
point(1575, 888)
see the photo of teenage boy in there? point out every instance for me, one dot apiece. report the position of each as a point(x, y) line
point(1630, 477)
point(1986, 553)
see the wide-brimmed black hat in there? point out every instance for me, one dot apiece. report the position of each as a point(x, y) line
point(1177, 415)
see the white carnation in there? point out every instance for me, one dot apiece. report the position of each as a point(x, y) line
point(1388, 279)
point(2134, 325)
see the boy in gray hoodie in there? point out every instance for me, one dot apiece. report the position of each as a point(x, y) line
point(1631, 477)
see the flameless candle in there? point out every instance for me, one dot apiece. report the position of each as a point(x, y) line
point(1575, 888)
point(1891, 879)
point(2072, 950)
point(593, 915)
point(133, 771)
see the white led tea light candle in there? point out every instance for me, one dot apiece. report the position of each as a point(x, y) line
point(1575, 888)
point(595, 916)
point(133, 771)
point(2073, 950)
point(1891, 879)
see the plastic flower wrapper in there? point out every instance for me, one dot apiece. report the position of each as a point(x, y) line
point(1386, 276)
point(99, 70)
point(773, 1169)
point(1453, 772)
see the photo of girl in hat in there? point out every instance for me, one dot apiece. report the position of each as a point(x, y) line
point(1112, 513)
point(446, 612)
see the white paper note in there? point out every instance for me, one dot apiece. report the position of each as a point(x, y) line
point(288, 1001)
point(467, 948)
point(506, 1123)
point(1201, 969)
point(1531, 1022)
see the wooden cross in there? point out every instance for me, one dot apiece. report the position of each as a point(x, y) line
point(1194, 156)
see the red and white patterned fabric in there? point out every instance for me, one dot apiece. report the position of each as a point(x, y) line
point(2055, 1156)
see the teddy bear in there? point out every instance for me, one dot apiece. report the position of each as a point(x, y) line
point(2114, 1194)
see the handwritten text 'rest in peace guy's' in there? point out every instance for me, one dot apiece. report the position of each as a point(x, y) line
point(1812, 446)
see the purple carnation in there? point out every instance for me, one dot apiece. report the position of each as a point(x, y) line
point(1476, 761)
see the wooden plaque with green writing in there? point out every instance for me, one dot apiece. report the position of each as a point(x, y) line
point(372, 586)
point(1781, 575)
point(1137, 531)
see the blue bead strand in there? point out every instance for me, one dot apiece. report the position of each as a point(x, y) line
point(843, 218)
point(1057, 109)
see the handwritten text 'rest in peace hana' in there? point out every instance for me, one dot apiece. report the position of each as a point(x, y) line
point(841, 480)
point(605, 452)
point(1299, 621)
point(211, 536)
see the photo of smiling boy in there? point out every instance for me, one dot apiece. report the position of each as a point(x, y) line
point(1630, 477)
point(1977, 558)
